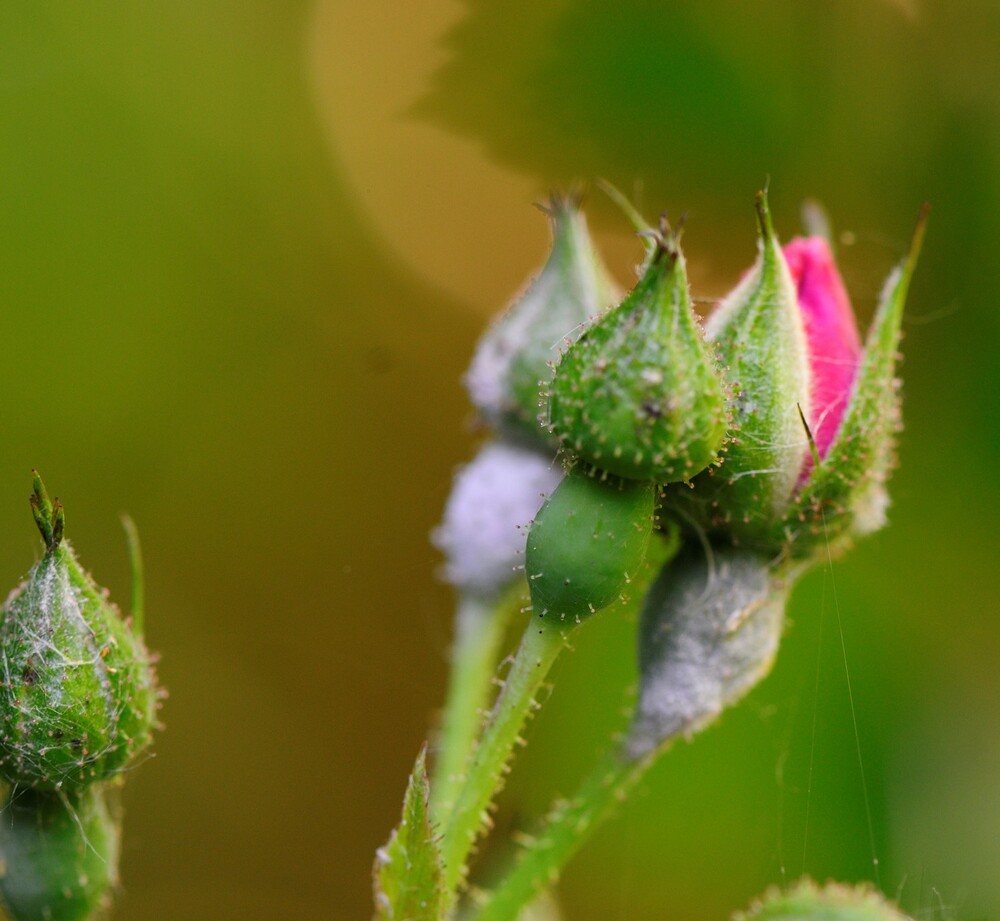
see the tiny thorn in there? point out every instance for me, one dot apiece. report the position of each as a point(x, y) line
point(809, 435)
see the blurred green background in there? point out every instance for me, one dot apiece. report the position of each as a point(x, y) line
point(245, 251)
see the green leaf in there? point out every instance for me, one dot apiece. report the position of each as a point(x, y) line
point(407, 871)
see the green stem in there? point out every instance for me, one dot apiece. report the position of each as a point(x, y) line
point(540, 645)
point(480, 625)
point(541, 859)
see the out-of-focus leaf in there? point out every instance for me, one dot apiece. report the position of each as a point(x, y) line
point(408, 868)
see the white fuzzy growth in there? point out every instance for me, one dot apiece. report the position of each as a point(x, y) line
point(45, 620)
point(710, 631)
point(511, 334)
point(493, 500)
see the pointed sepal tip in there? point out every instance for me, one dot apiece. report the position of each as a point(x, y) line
point(50, 516)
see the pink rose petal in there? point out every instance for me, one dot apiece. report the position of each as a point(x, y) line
point(831, 336)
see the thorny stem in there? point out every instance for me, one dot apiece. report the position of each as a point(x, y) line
point(542, 857)
point(539, 648)
point(570, 823)
point(480, 625)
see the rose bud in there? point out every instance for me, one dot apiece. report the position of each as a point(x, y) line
point(815, 414)
point(586, 544)
point(639, 394)
point(513, 361)
point(78, 697)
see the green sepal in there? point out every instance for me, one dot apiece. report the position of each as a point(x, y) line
point(845, 493)
point(407, 871)
point(833, 902)
point(587, 542)
point(638, 394)
point(513, 361)
point(78, 696)
point(58, 852)
point(762, 345)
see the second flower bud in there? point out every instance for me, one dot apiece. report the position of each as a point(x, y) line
point(638, 394)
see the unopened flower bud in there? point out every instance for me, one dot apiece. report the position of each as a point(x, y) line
point(513, 362)
point(58, 852)
point(78, 697)
point(638, 394)
point(816, 414)
point(833, 902)
point(492, 503)
point(709, 632)
point(586, 544)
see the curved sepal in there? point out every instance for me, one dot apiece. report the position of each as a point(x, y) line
point(846, 492)
point(762, 345)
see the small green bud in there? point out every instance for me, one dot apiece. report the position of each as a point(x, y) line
point(709, 633)
point(762, 342)
point(513, 362)
point(839, 453)
point(58, 853)
point(78, 697)
point(833, 902)
point(587, 542)
point(638, 394)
